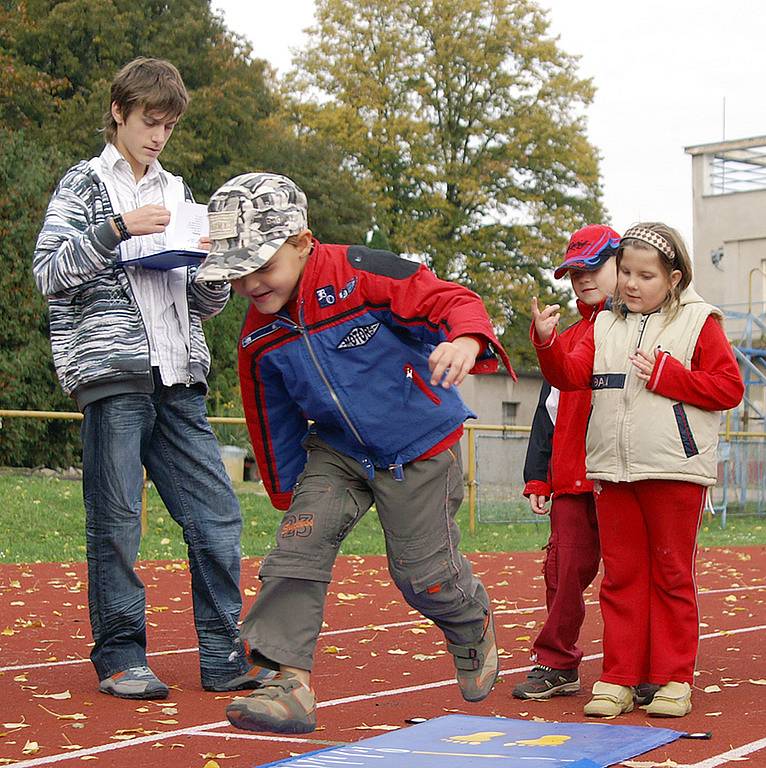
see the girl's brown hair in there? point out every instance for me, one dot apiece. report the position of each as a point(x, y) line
point(154, 84)
point(674, 256)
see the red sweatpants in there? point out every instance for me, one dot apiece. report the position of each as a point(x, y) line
point(648, 532)
point(571, 564)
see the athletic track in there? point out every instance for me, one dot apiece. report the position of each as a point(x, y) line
point(377, 664)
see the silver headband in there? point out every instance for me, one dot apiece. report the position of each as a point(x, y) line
point(652, 238)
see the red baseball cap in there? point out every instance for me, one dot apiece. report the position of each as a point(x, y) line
point(588, 249)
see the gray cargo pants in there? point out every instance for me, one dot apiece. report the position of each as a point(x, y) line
point(417, 517)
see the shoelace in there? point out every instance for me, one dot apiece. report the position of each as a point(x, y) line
point(142, 672)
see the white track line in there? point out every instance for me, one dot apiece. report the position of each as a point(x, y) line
point(195, 729)
point(351, 630)
point(260, 737)
point(732, 755)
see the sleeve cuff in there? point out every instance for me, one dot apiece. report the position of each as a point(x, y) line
point(539, 487)
point(659, 367)
point(535, 339)
point(105, 236)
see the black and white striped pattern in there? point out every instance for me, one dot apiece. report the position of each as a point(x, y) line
point(98, 337)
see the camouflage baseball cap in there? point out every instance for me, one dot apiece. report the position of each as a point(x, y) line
point(251, 216)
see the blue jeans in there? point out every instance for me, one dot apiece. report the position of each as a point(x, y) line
point(168, 433)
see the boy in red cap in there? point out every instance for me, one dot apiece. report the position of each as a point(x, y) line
point(555, 467)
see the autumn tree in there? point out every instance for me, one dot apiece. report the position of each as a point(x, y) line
point(464, 122)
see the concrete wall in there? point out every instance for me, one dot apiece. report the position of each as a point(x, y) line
point(485, 395)
point(500, 458)
point(736, 223)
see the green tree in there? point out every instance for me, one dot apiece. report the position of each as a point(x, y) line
point(27, 378)
point(58, 59)
point(464, 121)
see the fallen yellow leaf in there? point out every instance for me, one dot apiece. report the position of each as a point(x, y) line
point(31, 748)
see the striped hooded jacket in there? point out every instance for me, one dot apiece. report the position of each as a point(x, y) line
point(99, 342)
point(353, 358)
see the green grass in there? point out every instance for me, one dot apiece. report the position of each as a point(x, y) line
point(41, 519)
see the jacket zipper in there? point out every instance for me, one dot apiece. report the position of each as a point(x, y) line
point(413, 377)
point(626, 400)
point(300, 328)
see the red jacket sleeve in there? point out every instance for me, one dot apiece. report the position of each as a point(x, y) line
point(566, 371)
point(714, 381)
point(426, 305)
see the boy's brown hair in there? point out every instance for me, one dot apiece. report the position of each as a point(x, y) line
point(154, 84)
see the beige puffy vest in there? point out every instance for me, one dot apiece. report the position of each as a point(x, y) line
point(634, 434)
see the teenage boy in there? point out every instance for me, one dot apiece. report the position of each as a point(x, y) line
point(128, 346)
point(369, 347)
point(555, 467)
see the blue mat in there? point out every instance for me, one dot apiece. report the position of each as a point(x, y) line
point(460, 741)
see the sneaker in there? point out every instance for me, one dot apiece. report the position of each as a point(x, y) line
point(643, 693)
point(671, 700)
point(282, 705)
point(134, 683)
point(543, 682)
point(477, 665)
point(609, 700)
point(255, 677)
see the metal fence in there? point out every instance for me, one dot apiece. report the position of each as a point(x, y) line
point(496, 463)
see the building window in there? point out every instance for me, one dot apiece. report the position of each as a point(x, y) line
point(510, 412)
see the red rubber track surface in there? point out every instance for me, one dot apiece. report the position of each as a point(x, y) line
point(377, 664)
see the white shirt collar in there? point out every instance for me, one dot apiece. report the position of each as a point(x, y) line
point(111, 156)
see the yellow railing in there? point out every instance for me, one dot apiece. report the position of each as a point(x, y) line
point(77, 416)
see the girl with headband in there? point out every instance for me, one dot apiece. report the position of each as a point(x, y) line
point(661, 370)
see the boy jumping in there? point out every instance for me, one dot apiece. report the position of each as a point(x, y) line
point(369, 347)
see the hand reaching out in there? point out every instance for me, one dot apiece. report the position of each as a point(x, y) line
point(644, 363)
point(545, 321)
point(451, 361)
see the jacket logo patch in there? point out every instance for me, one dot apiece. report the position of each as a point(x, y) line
point(259, 334)
point(608, 381)
point(326, 296)
point(347, 289)
point(358, 337)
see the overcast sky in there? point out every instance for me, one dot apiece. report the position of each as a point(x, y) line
point(662, 69)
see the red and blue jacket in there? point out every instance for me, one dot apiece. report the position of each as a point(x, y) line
point(352, 357)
